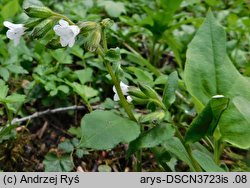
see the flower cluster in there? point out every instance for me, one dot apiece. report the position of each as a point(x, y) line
point(66, 32)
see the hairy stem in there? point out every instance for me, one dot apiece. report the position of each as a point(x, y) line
point(119, 92)
point(123, 100)
point(115, 78)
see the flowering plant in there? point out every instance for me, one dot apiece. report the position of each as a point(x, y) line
point(157, 127)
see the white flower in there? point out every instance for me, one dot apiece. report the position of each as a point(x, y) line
point(124, 89)
point(15, 31)
point(67, 33)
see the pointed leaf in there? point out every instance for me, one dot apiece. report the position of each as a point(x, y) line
point(206, 122)
point(209, 72)
point(169, 90)
point(206, 162)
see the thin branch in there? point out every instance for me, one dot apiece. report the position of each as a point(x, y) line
point(49, 111)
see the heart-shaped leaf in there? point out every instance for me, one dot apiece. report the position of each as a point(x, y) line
point(104, 130)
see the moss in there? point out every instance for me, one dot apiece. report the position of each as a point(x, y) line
point(13, 153)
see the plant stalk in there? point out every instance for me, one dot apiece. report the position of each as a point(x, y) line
point(123, 100)
point(9, 114)
point(217, 151)
point(115, 79)
point(197, 167)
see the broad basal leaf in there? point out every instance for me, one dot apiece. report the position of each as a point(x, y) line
point(104, 130)
point(209, 72)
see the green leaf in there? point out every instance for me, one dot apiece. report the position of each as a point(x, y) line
point(142, 75)
point(10, 9)
point(4, 73)
point(104, 130)
point(16, 69)
point(81, 152)
point(114, 9)
point(75, 131)
point(206, 122)
point(148, 91)
point(61, 56)
point(63, 88)
point(84, 75)
point(54, 163)
point(209, 72)
point(3, 91)
point(175, 46)
point(242, 106)
point(84, 91)
point(175, 147)
point(7, 132)
point(169, 90)
point(66, 146)
point(108, 104)
point(113, 55)
point(206, 162)
point(152, 138)
point(171, 5)
point(15, 98)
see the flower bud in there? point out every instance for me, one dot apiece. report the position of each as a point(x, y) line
point(139, 101)
point(134, 92)
point(38, 12)
point(93, 40)
point(107, 23)
point(32, 23)
point(88, 27)
point(148, 91)
point(42, 29)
